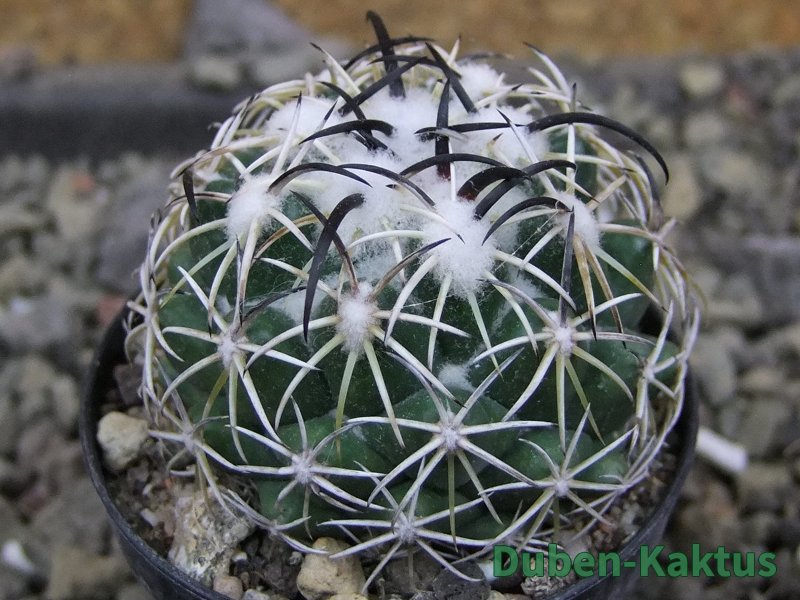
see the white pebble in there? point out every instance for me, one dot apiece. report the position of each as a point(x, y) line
point(721, 452)
point(13, 555)
point(121, 438)
point(322, 576)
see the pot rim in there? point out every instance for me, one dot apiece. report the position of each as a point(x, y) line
point(109, 353)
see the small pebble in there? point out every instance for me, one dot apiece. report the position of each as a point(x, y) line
point(121, 438)
point(715, 369)
point(13, 555)
point(205, 536)
point(762, 425)
point(448, 586)
point(216, 72)
point(764, 486)
point(762, 380)
point(700, 80)
point(704, 130)
point(257, 595)
point(228, 586)
point(725, 454)
point(78, 574)
point(133, 591)
point(322, 576)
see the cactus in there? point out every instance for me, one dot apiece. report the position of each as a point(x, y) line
point(406, 300)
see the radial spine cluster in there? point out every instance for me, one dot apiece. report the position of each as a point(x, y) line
point(421, 308)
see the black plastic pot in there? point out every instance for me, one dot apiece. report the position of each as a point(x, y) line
point(165, 582)
point(161, 578)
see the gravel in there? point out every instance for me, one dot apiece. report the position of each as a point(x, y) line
point(240, 26)
point(121, 439)
point(71, 231)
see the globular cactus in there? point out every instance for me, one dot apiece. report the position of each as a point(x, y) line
point(406, 299)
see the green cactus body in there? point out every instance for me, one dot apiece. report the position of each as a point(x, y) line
point(407, 291)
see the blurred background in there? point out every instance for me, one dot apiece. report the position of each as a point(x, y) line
point(92, 31)
point(99, 99)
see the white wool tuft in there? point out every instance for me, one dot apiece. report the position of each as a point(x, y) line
point(227, 348)
point(503, 144)
point(381, 203)
point(454, 376)
point(479, 80)
point(524, 284)
point(293, 305)
point(465, 259)
point(356, 315)
point(407, 115)
point(373, 261)
point(561, 487)
point(251, 202)
point(310, 119)
point(506, 235)
point(586, 227)
point(538, 142)
point(562, 336)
